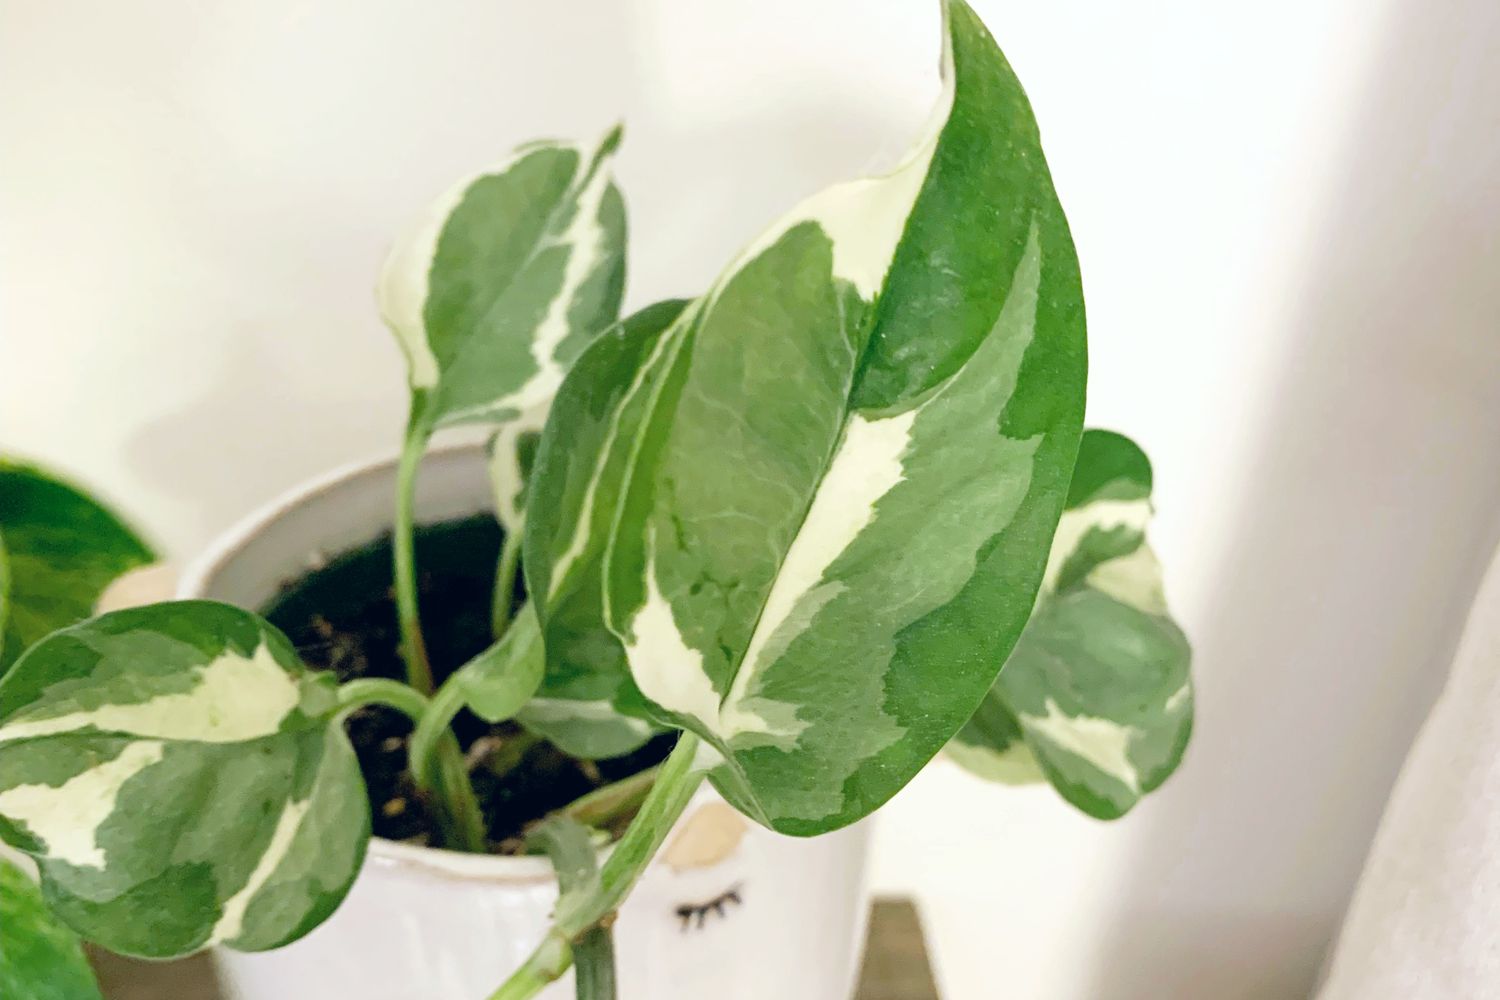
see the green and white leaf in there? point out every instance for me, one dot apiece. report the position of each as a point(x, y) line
point(181, 781)
point(40, 959)
point(1097, 696)
point(814, 510)
point(590, 729)
point(501, 285)
point(587, 705)
point(59, 550)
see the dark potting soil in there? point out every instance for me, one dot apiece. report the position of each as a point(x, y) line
point(342, 617)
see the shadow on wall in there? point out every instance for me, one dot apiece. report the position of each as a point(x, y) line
point(1372, 508)
point(296, 148)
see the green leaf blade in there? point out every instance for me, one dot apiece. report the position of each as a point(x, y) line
point(40, 959)
point(835, 510)
point(586, 704)
point(499, 288)
point(180, 780)
point(59, 550)
point(1099, 689)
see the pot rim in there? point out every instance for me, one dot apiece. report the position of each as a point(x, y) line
point(239, 536)
point(242, 533)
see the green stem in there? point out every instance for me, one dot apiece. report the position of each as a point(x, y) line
point(570, 844)
point(403, 547)
point(458, 806)
point(608, 802)
point(458, 813)
point(380, 691)
point(544, 966)
point(512, 753)
point(594, 956)
point(505, 583)
point(579, 913)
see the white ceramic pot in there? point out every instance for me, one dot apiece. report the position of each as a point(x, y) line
point(425, 924)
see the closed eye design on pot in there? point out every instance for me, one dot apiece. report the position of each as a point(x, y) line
point(695, 915)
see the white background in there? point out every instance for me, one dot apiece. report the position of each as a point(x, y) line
point(1287, 213)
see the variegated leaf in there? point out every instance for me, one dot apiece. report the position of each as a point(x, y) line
point(497, 290)
point(59, 549)
point(180, 780)
point(40, 959)
point(586, 728)
point(586, 702)
point(815, 512)
point(1097, 695)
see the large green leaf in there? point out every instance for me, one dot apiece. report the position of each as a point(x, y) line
point(180, 780)
point(814, 511)
point(501, 285)
point(59, 549)
point(1097, 696)
point(40, 959)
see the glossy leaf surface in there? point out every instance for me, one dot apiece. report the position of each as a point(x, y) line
point(180, 780)
point(812, 510)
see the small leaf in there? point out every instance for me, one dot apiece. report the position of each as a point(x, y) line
point(575, 858)
point(589, 730)
point(40, 959)
point(59, 550)
point(814, 512)
point(1097, 693)
point(181, 781)
point(501, 285)
point(497, 682)
point(494, 685)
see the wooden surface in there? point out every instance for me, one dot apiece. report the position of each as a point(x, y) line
point(895, 967)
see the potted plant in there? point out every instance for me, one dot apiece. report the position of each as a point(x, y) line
point(759, 557)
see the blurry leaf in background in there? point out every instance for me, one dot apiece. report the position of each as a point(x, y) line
point(40, 959)
point(59, 550)
point(1097, 696)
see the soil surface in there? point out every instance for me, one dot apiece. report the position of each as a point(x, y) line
point(342, 617)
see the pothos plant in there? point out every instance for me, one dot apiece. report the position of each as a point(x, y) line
point(802, 520)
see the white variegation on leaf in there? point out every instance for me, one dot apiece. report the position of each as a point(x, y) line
point(811, 508)
point(590, 730)
point(180, 780)
point(1097, 696)
point(499, 287)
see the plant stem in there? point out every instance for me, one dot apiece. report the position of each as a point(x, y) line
point(511, 753)
point(544, 966)
point(609, 801)
point(570, 844)
point(578, 913)
point(380, 691)
point(505, 583)
point(403, 546)
point(458, 812)
point(458, 806)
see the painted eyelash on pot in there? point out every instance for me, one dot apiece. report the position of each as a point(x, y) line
point(696, 914)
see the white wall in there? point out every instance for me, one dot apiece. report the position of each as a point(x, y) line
point(1287, 214)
